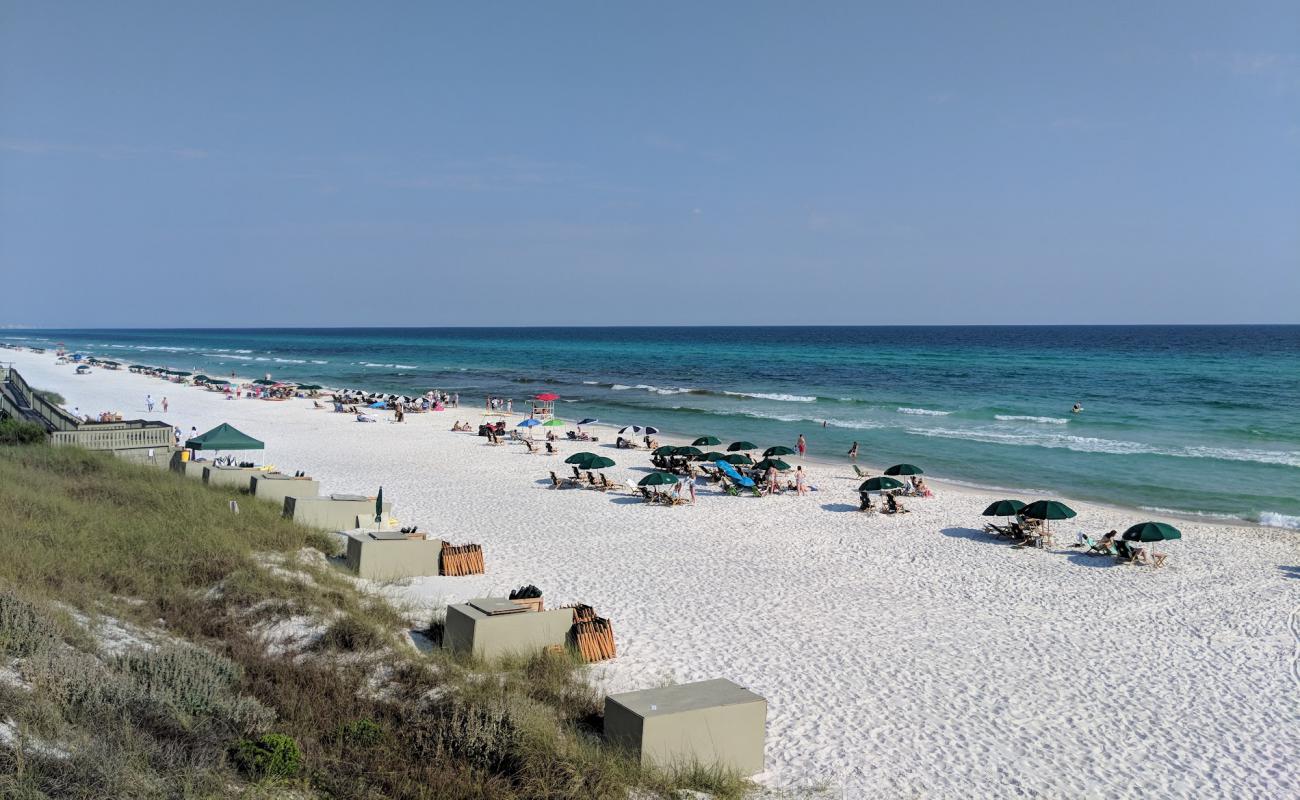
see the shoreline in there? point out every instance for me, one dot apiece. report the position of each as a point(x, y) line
point(895, 652)
point(827, 462)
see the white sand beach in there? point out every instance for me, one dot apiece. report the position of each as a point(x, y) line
point(903, 656)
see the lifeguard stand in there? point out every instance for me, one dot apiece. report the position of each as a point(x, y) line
point(544, 405)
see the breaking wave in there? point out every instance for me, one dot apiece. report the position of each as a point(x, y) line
point(1019, 418)
point(923, 412)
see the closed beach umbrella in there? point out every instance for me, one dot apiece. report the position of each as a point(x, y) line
point(772, 463)
point(779, 450)
point(742, 445)
point(1003, 508)
point(658, 479)
point(904, 469)
point(879, 483)
point(599, 462)
point(379, 506)
point(1152, 532)
point(739, 459)
point(1047, 509)
point(579, 458)
point(707, 441)
point(528, 423)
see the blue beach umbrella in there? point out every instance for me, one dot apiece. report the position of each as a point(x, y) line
point(528, 423)
point(378, 405)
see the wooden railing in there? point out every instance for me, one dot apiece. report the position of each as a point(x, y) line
point(105, 436)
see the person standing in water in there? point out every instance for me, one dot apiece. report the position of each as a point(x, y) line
point(853, 452)
point(1077, 408)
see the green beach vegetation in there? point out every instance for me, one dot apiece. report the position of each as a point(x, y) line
point(155, 644)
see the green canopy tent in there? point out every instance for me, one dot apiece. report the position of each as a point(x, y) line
point(224, 437)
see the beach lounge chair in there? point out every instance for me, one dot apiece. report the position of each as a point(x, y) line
point(858, 470)
point(532, 449)
point(1095, 548)
point(607, 484)
point(561, 483)
point(592, 483)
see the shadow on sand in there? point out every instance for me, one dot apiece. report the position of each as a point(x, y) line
point(1290, 572)
point(974, 534)
point(839, 507)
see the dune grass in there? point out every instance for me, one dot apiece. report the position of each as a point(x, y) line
point(207, 710)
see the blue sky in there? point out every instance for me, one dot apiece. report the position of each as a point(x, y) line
point(560, 163)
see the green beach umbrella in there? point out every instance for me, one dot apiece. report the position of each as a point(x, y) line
point(1152, 532)
point(1047, 509)
point(713, 455)
point(778, 450)
point(739, 459)
point(772, 463)
point(664, 450)
point(553, 423)
point(264, 382)
point(689, 452)
point(879, 483)
point(742, 445)
point(579, 458)
point(201, 379)
point(658, 479)
point(379, 506)
point(310, 387)
point(904, 469)
point(599, 462)
point(1003, 508)
point(707, 441)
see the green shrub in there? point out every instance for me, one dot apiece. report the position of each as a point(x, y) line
point(272, 755)
point(195, 684)
point(23, 629)
point(52, 396)
point(361, 733)
point(18, 432)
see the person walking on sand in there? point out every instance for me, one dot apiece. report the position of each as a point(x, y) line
point(148, 402)
point(853, 452)
point(802, 446)
point(164, 405)
point(800, 484)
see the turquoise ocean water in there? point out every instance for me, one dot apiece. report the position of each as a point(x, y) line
point(1202, 420)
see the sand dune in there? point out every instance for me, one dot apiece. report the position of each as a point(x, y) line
point(903, 656)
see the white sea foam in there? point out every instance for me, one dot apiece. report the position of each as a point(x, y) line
point(243, 351)
point(314, 361)
point(592, 383)
point(659, 390)
point(618, 387)
point(923, 412)
point(1276, 520)
point(1019, 418)
point(289, 360)
point(1091, 444)
point(785, 398)
point(1180, 512)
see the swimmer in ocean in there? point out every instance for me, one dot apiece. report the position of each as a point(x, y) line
point(1077, 408)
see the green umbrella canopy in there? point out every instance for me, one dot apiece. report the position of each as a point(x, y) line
point(1152, 532)
point(905, 469)
point(713, 455)
point(224, 437)
point(265, 382)
point(739, 459)
point(688, 451)
point(1004, 508)
point(742, 445)
point(664, 450)
point(599, 462)
point(778, 450)
point(310, 387)
point(658, 479)
point(181, 373)
point(580, 458)
point(1047, 509)
point(707, 441)
point(879, 483)
point(554, 423)
point(772, 463)
point(201, 379)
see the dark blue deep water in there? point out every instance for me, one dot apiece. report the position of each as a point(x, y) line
point(1190, 419)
